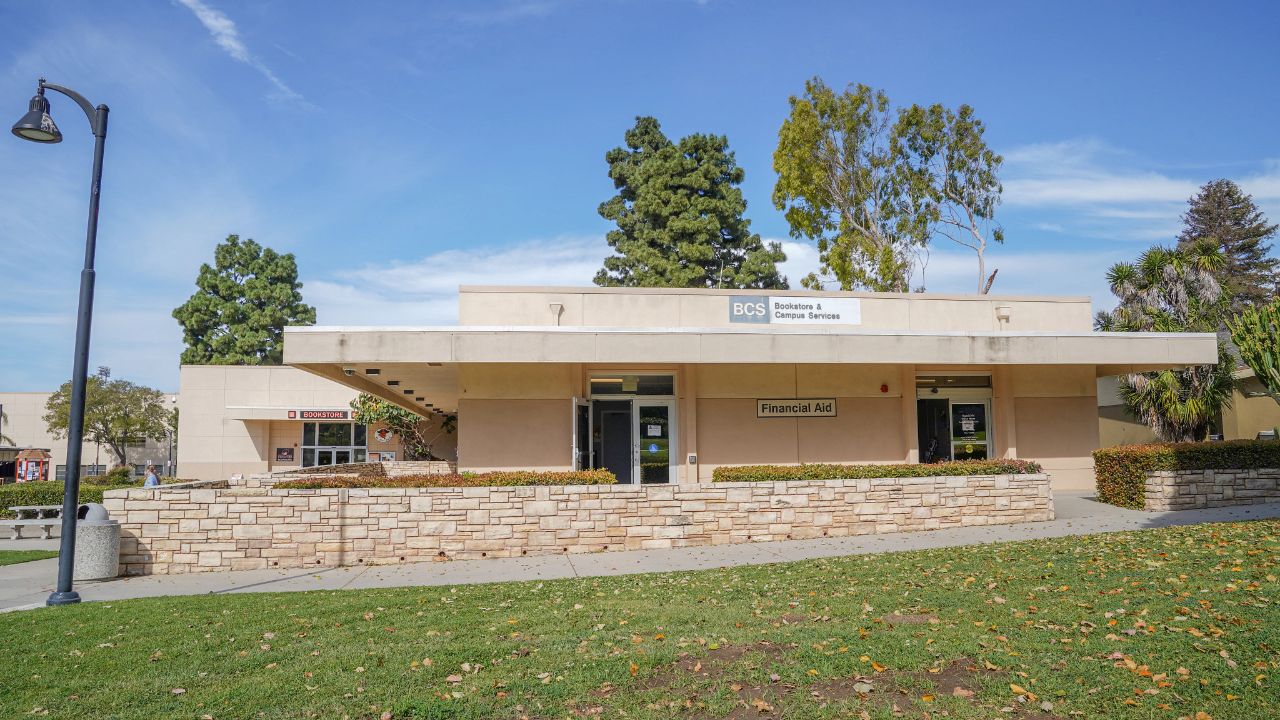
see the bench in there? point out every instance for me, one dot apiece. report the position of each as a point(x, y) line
point(45, 525)
point(45, 517)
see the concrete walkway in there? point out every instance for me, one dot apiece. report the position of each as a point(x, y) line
point(26, 585)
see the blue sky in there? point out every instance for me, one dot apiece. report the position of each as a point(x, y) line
point(399, 149)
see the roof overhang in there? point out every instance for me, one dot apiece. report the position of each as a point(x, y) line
point(518, 344)
point(431, 354)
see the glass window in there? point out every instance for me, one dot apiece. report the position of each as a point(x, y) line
point(308, 457)
point(358, 455)
point(361, 433)
point(60, 473)
point(333, 434)
point(622, 384)
point(308, 433)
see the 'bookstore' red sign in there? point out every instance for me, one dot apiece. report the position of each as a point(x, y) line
point(319, 414)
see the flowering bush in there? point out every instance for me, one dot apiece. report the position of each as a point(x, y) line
point(827, 471)
point(506, 478)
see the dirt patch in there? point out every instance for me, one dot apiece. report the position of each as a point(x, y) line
point(770, 700)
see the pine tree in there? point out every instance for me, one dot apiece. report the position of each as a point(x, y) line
point(679, 211)
point(1225, 215)
point(241, 305)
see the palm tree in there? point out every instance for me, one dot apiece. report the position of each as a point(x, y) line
point(1173, 291)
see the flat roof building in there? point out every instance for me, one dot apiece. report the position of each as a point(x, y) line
point(664, 385)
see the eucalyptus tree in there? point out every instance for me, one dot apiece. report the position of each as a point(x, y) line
point(1173, 290)
point(840, 186)
point(953, 177)
point(871, 186)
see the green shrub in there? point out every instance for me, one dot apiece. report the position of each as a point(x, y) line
point(1120, 472)
point(117, 475)
point(825, 471)
point(46, 493)
point(512, 478)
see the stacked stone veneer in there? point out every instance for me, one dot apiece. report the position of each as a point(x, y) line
point(183, 530)
point(1188, 489)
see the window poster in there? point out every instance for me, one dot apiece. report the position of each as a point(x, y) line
point(969, 422)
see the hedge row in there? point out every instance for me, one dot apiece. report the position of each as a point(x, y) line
point(48, 493)
point(824, 471)
point(365, 469)
point(492, 479)
point(1120, 472)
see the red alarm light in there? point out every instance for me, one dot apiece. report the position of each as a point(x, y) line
point(884, 388)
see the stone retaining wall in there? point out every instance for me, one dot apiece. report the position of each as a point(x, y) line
point(1189, 489)
point(196, 530)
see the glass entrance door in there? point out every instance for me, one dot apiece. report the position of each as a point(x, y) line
point(653, 428)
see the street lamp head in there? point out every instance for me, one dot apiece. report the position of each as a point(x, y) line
point(36, 125)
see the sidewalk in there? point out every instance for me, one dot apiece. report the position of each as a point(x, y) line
point(28, 584)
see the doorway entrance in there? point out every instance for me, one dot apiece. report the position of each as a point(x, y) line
point(953, 417)
point(628, 427)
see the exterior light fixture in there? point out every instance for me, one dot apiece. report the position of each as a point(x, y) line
point(408, 392)
point(393, 382)
point(38, 126)
point(418, 399)
point(372, 371)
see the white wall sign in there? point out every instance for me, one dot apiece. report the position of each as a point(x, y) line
point(784, 310)
point(799, 407)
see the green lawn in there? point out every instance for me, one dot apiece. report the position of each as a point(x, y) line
point(13, 557)
point(1156, 624)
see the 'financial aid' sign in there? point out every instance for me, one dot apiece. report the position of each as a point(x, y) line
point(794, 310)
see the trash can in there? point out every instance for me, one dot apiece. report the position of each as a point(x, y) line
point(97, 544)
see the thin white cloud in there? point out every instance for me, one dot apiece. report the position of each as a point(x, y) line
point(425, 291)
point(224, 32)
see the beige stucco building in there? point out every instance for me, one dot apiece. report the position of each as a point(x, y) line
point(664, 385)
point(239, 420)
point(1252, 414)
point(24, 425)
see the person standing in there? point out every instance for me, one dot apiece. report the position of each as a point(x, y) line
point(152, 480)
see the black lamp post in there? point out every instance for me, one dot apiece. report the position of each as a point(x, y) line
point(37, 126)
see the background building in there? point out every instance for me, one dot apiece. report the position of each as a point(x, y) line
point(1253, 414)
point(664, 385)
point(241, 419)
point(26, 427)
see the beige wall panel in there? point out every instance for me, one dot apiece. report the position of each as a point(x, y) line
point(202, 377)
point(1053, 380)
point(517, 381)
point(730, 433)
point(1117, 427)
point(1248, 416)
point(285, 434)
point(943, 315)
point(746, 381)
point(514, 434)
point(848, 381)
point(864, 430)
point(1060, 434)
point(523, 308)
point(611, 309)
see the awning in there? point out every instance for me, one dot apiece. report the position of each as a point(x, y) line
point(425, 358)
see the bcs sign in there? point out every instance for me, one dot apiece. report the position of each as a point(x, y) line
point(794, 310)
